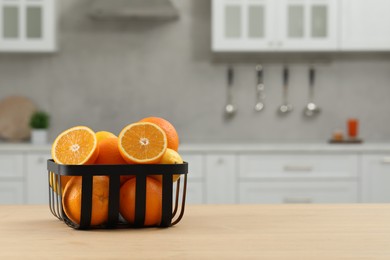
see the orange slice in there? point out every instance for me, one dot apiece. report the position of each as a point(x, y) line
point(142, 142)
point(77, 145)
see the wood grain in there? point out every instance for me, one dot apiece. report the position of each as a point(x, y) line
point(208, 232)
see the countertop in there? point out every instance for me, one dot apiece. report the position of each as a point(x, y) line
point(355, 231)
point(239, 147)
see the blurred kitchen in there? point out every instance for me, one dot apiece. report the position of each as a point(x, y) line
point(275, 101)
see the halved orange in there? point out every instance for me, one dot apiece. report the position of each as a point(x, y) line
point(77, 145)
point(142, 142)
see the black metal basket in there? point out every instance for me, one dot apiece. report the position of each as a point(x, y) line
point(172, 204)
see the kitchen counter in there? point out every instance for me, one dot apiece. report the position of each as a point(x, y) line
point(238, 147)
point(318, 232)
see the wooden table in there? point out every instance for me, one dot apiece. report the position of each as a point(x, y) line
point(208, 232)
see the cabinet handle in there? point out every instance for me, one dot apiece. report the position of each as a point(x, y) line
point(220, 161)
point(40, 160)
point(271, 44)
point(279, 44)
point(297, 168)
point(297, 200)
point(386, 160)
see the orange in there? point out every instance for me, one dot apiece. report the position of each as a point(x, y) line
point(169, 129)
point(142, 142)
point(153, 201)
point(53, 180)
point(109, 154)
point(77, 145)
point(71, 200)
point(101, 135)
point(170, 157)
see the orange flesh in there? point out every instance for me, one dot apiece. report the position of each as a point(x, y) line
point(143, 142)
point(75, 146)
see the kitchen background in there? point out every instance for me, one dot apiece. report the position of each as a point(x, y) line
point(107, 74)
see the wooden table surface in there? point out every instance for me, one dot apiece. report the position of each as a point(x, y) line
point(315, 232)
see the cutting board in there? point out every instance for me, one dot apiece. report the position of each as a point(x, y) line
point(15, 114)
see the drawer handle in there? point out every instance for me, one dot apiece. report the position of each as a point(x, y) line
point(297, 168)
point(386, 160)
point(297, 200)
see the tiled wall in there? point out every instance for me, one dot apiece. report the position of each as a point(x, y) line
point(106, 75)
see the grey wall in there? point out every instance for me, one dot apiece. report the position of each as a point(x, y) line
point(107, 75)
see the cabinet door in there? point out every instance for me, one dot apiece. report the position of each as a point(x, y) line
point(37, 178)
point(243, 25)
point(298, 192)
point(376, 178)
point(365, 25)
point(27, 26)
point(308, 25)
point(11, 192)
point(221, 178)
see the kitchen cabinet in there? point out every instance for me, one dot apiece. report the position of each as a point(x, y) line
point(11, 192)
point(375, 182)
point(243, 25)
point(298, 178)
point(220, 178)
point(298, 192)
point(365, 25)
point(27, 26)
point(195, 178)
point(274, 25)
point(11, 178)
point(37, 178)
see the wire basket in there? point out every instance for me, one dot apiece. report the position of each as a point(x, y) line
point(173, 198)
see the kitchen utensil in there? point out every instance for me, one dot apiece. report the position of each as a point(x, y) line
point(259, 89)
point(230, 108)
point(285, 107)
point(15, 115)
point(311, 108)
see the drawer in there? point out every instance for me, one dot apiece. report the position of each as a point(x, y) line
point(195, 164)
point(11, 192)
point(298, 192)
point(298, 166)
point(11, 165)
point(194, 194)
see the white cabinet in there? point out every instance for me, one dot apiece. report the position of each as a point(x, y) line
point(365, 25)
point(299, 192)
point(221, 178)
point(11, 178)
point(27, 26)
point(195, 178)
point(11, 192)
point(308, 25)
point(298, 178)
point(274, 25)
point(375, 183)
point(239, 25)
point(37, 178)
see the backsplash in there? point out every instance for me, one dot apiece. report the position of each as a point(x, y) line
point(106, 75)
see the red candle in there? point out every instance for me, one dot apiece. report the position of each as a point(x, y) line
point(353, 125)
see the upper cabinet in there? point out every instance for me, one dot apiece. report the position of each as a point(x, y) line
point(365, 25)
point(300, 25)
point(274, 25)
point(307, 25)
point(27, 26)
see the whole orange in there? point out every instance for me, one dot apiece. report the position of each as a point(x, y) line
point(153, 201)
point(109, 154)
point(169, 129)
point(71, 200)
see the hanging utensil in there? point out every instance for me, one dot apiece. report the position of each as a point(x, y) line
point(260, 96)
point(230, 108)
point(311, 108)
point(286, 107)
